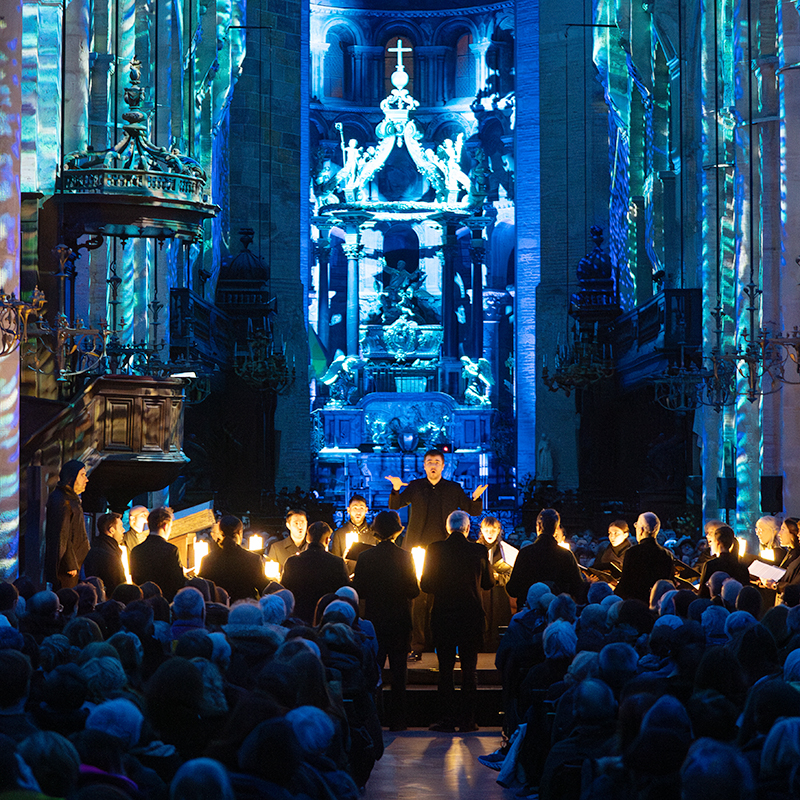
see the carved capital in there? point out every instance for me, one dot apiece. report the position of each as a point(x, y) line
point(353, 251)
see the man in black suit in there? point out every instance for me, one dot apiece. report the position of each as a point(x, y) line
point(314, 572)
point(646, 562)
point(387, 583)
point(238, 571)
point(432, 500)
point(357, 524)
point(295, 542)
point(156, 559)
point(455, 572)
point(105, 556)
point(545, 561)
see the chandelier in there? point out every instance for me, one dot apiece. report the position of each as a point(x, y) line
point(14, 317)
point(262, 366)
point(579, 364)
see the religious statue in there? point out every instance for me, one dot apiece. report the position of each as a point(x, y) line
point(544, 461)
point(342, 379)
point(478, 375)
point(401, 295)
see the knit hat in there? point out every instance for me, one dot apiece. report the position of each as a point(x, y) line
point(245, 614)
point(348, 593)
point(534, 593)
point(340, 608)
point(189, 604)
point(120, 718)
point(288, 599)
point(273, 608)
point(69, 471)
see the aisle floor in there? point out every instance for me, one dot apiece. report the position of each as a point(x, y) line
point(420, 765)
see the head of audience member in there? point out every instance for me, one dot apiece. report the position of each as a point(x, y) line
point(547, 522)
point(791, 595)
point(15, 686)
point(297, 525)
point(658, 590)
point(189, 607)
point(559, 640)
point(433, 464)
point(9, 596)
point(82, 631)
point(273, 609)
point(666, 605)
point(99, 587)
point(738, 622)
point(563, 607)
point(716, 582)
point(357, 510)
point(780, 756)
point(231, 529)
point(789, 534)
point(593, 703)
point(458, 523)
point(271, 752)
point(137, 518)
point(618, 532)
point(119, 718)
point(111, 525)
point(714, 770)
point(54, 762)
point(339, 611)
point(598, 591)
point(319, 533)
point(491, 531)
point(697, 607)
point(160, 520)
point(87, 598)
point(647, 526)
point(105, 677)
point(201, 779)
point(73, 476)
point(730, 593)
point(387, 525)
point(713, 715)
point(635, 614)
point(721, 539)
point(791, 667)
point(618, 663)
point(535, 592)
point(768, 531)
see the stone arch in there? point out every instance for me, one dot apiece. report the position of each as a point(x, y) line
point(461, 66)
point(337, 77)
point(502, 246)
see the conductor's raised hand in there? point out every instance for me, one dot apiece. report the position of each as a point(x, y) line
point(479, 490)
point(397, 483)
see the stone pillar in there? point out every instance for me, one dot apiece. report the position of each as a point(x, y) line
point(323, 309)
point(477, 251)
point(318, 51)
point(352, 249)
point(429, 74)
point(10, 255)
point(449, 325)
point(479, 51)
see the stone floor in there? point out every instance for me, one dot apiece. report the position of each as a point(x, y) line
point(420, 765)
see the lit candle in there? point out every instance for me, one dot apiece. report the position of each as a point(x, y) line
point(125, 565)
point(255, 542)
point(565, 545)
point(767, 553)
point(272, 569)
point(349, 540)
point(200, 550)
point(418, 554)
point(742, 545)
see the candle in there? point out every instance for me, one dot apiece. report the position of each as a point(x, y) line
point(742, 545)
point(767, 553)
point(200, 550)
point(125, 565)
point(349, 540)
point(272, 569)
point(418, 554)
point(255, 542)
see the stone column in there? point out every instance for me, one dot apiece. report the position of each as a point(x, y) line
point(352, 249)
point(429, 74)
point(10, 255)
point(323, 248)
point(479, 51)
point(477, 250)
point(318, 51)
point(449, 324)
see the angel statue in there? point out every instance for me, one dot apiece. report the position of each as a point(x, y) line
point(342, 379)
point(478, 375)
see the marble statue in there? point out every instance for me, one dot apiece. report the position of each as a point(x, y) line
point(478, 375)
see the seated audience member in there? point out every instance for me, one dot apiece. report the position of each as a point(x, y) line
point(716, 771)
point(201, 779)
point(54, 762)
point(104, 559)
point(720, 544)
point(238, 571)
point(188, 612)
point(779, 775)
point(15, 686)
point(730, 593)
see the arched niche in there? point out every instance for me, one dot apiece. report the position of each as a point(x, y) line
point(337, 78)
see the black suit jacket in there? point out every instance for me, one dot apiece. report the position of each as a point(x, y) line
point(238, 571)
point(643, 565)
point(455, 572)
point(415, 494)
point(105, 562)
point(66, 543)
point(386, 581)
point(725, 562)
point(158, 561)
point(310, 575)
point(544, 561)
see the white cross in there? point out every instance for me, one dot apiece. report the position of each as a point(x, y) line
point(400, 50)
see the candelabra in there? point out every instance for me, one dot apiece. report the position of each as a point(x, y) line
point(580, 364)
point(263, 367)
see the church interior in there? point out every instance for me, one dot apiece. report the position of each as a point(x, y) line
point(258, 254)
